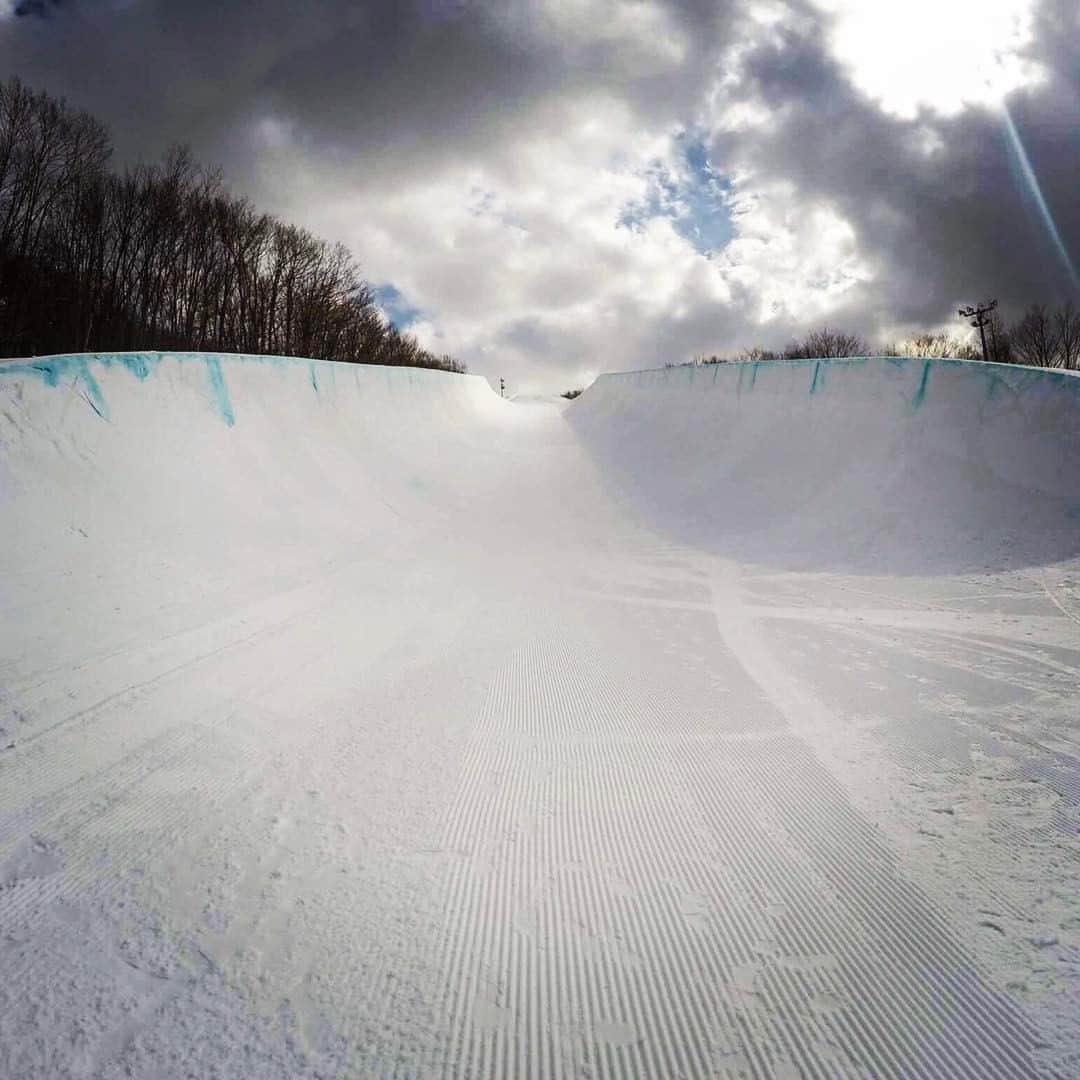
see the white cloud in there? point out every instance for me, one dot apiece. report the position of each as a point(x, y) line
point(797, 260)
point(516, 256)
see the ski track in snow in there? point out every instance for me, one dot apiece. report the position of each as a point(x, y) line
point(429, 742)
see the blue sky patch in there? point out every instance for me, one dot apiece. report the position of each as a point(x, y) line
point(695, 197)
point(398, 310)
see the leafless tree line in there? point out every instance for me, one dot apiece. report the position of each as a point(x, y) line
point(163, 257)
point(1045, 338)
point(819, 344)
point(1041, 337)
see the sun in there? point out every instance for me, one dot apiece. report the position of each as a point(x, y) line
point(925, 54)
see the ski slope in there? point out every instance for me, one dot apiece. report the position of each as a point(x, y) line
point(355, 722)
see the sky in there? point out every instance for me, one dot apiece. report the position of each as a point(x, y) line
point(549, 189)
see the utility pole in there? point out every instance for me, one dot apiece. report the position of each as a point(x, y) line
point(978, 316)
point(502, 384)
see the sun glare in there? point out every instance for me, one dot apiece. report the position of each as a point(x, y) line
point(926, 54)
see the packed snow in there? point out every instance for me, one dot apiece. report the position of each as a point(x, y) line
point(356, 722)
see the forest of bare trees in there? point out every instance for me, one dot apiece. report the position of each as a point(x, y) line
point(163, 257)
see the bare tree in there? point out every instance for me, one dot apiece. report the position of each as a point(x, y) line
point(1067, 325)
point(998, 341)
point(163, 257)
point(824, 344)
point(1035, 338)
point(758, 352)
point(936, 345)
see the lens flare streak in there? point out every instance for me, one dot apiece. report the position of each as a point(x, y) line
point(1032, 181)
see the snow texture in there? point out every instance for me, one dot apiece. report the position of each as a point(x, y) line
point(355, 722)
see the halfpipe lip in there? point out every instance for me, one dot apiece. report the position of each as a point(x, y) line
point(852, 360)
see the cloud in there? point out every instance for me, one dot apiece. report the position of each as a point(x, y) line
point(551, 188)
point(934, 202)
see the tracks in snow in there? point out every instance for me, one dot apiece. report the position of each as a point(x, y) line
point(503, 792)
point(647, 879)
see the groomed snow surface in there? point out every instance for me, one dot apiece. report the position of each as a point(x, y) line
point(355, 722)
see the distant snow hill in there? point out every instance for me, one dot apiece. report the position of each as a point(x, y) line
point(357, 722)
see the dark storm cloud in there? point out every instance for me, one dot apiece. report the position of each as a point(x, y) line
point(416, 78)
point(31, 8)
point(159, 71)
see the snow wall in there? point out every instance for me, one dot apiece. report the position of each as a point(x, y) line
point(199, 468)
point(894, 465)
point(887, 464)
